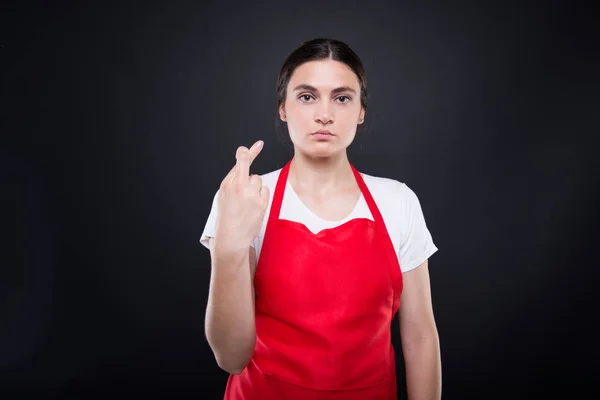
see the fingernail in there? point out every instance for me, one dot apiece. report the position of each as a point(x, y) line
point(260, 144)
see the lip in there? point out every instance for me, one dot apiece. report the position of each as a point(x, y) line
point(322, 132)
point(323, 135)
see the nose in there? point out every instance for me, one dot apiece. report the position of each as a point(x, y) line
point(324, 115)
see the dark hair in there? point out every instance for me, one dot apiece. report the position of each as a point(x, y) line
point(321, 49)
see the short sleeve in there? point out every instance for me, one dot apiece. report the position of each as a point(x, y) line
point(417, 244)
point(211, 223)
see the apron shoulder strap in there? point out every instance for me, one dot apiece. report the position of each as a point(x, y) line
point(368, 197)
point(278, 194)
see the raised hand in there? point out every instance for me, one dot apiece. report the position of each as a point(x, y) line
point(243, 200)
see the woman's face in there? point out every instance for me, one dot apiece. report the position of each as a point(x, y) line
point(322, 96)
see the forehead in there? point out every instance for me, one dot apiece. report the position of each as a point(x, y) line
point(324, 74)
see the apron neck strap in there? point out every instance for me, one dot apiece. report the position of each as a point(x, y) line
point(368, 197)
point(278, 195)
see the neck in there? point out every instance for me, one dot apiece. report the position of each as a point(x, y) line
point(320, 174)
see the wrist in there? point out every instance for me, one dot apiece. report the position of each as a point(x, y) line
point(230, 252)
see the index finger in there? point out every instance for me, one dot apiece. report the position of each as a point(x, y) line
point(245, 160)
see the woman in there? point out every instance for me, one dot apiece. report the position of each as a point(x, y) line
point(311, 262)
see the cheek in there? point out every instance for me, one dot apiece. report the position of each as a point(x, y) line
point(299, 116)
point(297, 110)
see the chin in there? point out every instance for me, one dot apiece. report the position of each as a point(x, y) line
point(321, 150)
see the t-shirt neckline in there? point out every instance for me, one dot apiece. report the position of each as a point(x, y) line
point(288, 187)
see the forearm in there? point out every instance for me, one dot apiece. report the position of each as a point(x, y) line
point(230, 324)
point(423, 368)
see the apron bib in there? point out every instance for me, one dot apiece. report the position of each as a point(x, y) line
point(324, 306)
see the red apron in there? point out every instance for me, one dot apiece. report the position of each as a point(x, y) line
point(324, 305)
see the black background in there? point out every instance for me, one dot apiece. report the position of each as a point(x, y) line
point(119, 122)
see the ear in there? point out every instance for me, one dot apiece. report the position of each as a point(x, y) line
point(282, 115)
point(361, 116)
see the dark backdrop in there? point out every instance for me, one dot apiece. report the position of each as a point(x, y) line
point(119, 122)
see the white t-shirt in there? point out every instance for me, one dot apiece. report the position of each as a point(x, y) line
point(397, 203)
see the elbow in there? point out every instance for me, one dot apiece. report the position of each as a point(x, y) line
point(231, 354)
point(232, 361)
point(417, 337)
point(232, 367)
point(419, 344)
point(232, 371)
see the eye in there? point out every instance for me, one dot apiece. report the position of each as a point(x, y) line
point(345, 98)
point(305, 97)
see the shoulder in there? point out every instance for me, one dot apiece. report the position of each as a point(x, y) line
point(389, 190)
point(396, 201)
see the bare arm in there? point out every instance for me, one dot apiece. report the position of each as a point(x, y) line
point(230, 326)
point(420, 340)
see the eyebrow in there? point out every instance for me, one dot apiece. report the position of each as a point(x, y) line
point(334, 91)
